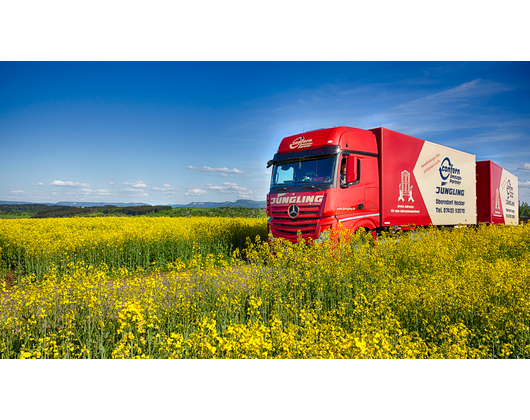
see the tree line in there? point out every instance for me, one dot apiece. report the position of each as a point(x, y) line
point(39, 211)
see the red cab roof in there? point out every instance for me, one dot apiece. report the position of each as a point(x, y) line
point(345, 137)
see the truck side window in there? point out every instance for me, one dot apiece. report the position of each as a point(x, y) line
point(343, 183)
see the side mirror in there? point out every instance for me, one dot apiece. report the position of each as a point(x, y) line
point(351, 169)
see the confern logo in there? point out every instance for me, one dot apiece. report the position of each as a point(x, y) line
point(452, 175)
point(447, 169)
point(301, 143)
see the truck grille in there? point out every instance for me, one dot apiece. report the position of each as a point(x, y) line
point(306, 222)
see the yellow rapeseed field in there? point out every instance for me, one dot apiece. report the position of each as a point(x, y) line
point(34, 245)
point(463, 293)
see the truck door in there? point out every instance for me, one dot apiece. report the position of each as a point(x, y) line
point(350, 196)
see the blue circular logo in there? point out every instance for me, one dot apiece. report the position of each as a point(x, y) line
point(445, 168)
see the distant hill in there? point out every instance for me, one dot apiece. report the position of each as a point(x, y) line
point(93, 204)
point(249, 204)
point(15, 202)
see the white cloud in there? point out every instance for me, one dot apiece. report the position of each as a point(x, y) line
point(139, 184)
point(525, 167)
point(29, 194)
point(230, 188)
point(111, 183)
point(524, 184)
point(167, 187)
point(130, 192)
point(462, 107)
point(59, 183)
point(475, 88)
point(168, 190)
point(98, 192)
point(196, 191)
point(223, 170)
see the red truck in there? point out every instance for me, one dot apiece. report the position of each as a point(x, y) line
point(378, 180)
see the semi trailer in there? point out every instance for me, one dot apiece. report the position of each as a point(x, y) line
point(380, 180)
point(497, 195)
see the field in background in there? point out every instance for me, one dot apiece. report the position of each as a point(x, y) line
point(42, 211)
point(439, 294)
point(34, 246)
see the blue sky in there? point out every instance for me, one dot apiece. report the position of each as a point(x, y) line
point(177, 132)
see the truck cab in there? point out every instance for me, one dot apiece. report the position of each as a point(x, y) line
point(323, 177)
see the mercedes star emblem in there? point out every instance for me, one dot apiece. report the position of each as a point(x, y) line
point(293, 211)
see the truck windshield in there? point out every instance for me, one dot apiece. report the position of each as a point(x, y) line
point(299, 171)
